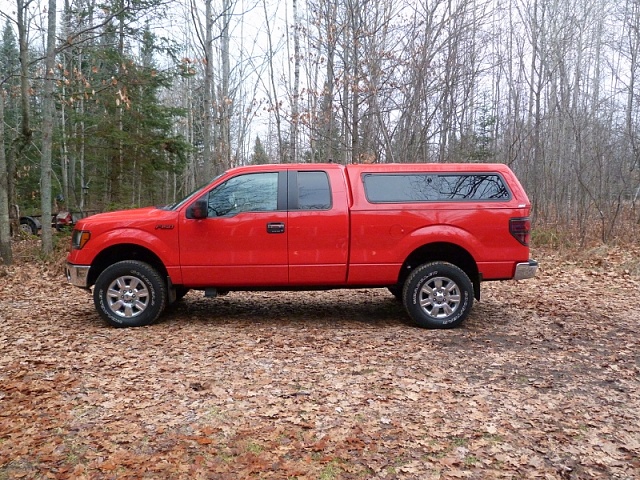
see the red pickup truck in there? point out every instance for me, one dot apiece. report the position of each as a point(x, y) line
point(430, 233)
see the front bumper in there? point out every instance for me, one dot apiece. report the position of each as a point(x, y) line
point(77, 275)
point(526, 270)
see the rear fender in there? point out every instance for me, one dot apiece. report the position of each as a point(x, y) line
point(442, 243)
point(435, 234)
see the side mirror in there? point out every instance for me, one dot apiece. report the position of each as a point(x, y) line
point(197, 210)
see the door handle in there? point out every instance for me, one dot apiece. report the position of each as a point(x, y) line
point(275, 227)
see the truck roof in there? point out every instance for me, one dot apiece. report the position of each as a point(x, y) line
point(382, 167)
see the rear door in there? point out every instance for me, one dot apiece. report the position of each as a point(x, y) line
point(318, 223)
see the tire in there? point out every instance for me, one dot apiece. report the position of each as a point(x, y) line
point(28, 226)
point(438, 295)
point(130, 294)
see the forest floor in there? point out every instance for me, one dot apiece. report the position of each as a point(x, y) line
point(541, 381)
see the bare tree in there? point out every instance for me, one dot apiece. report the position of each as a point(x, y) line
point(48, 111)
point(273, 91)
point(6, 255)
point(224, 102)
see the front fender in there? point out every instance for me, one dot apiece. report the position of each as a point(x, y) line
point(162, 243)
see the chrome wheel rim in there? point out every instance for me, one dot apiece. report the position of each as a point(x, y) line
point(440, 297)
point(128, 296)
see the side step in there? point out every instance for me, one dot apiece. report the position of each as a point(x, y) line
point(210, 292)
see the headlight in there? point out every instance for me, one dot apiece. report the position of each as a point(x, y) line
point(80, 238)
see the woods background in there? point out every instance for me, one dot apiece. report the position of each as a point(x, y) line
point(123, 103)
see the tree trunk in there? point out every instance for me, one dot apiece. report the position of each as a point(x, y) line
point(225, 104)
point(24, 75)
point(209, 166)
point(273, 93)
point(295, 103)
point(48, 112)
point(6, 256)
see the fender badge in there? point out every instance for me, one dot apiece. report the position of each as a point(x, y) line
point(164, 227)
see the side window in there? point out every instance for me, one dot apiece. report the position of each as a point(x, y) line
point(472, 187)
point(392, 188)
point(255, 192)
point(314, 192)
point(422, 187)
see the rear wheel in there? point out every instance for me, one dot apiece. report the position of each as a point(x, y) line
point(438, 295)
point(130, 294)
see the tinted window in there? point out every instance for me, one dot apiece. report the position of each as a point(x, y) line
point(313, 191)
point(256, 192)
point(422, 187)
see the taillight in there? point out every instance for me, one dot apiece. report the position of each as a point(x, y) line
point(520, 228)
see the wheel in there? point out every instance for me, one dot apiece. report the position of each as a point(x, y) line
point(130, 294)
point(28, 226)
point(438, 295)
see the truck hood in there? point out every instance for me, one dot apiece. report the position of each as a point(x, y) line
point(125, 218)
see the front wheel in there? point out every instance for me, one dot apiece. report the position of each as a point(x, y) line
point(438, 295)
point(130, 294)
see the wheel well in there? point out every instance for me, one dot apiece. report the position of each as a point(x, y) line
point(31, 221)
point(442, 252)
point(118, 253)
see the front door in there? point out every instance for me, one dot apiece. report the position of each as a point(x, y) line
point(243, 240)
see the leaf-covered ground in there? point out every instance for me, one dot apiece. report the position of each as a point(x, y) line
point(542, 381)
